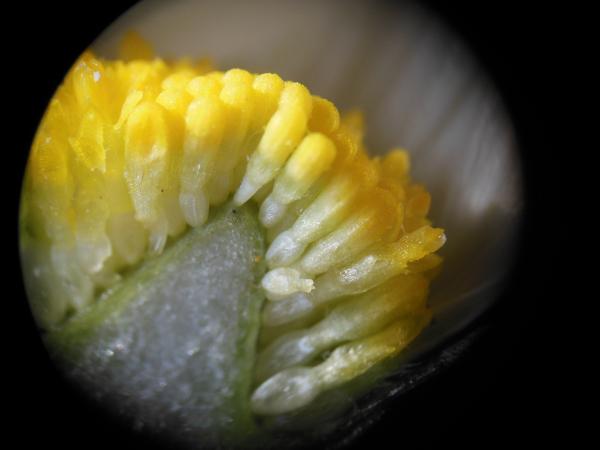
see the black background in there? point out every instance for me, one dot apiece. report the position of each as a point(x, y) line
point(506, 391)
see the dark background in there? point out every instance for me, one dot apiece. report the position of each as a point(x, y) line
point(506, 390)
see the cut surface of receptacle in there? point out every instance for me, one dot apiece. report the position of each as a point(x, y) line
point(135, 156)
point(143, 348)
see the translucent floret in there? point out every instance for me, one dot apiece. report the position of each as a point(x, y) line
point(355, 318)
point(295, 387)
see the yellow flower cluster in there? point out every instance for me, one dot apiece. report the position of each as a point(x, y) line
point(131, 153)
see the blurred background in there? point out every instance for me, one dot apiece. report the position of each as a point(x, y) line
point(500, 390)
